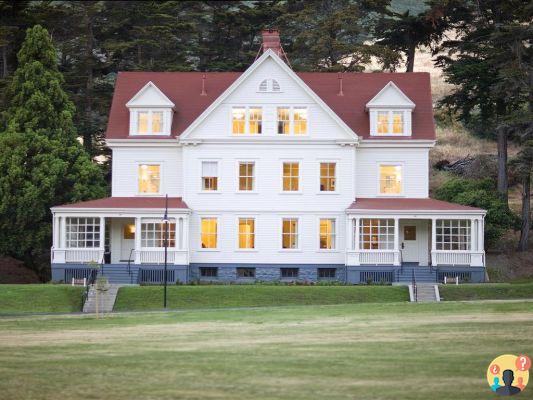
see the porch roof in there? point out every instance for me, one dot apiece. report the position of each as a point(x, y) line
point(126, 203)
point(409, 205)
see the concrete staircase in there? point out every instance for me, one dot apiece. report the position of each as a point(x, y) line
point(106, 299)
point(422, 274)
point(427, 292)
point(118, 274)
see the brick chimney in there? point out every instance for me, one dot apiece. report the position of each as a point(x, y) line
point(271, 41)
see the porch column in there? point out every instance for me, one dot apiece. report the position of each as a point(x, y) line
point(481, 237)
point(137, 240)
point(55, 231)
point(433, 242)
point(62, 232)
point(357, 224)
point(396, 241)
point(102, 236)
point(473, 235)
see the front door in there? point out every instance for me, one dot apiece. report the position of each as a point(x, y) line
point(409, 233)
point(128, 240)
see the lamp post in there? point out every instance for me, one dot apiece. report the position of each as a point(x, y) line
point(165, 244)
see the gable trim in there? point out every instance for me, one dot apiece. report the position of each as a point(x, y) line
point(267, 54)
point(408, 101)
point(150, 84)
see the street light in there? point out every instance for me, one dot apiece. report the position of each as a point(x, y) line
point(165, 244)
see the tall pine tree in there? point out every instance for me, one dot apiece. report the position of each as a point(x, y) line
point(42, 162)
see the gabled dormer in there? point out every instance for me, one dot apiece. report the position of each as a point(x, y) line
point(150, 112)
point(390, 112)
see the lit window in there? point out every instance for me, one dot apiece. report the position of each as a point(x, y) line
point(327, 177)
point(142, 123)
point(209, 233)
point(129, 231)
point(149, 178)
point(83, 233)
point(209, 175)
point(390, 179)
point(256, 121)
point(453, 234)
point(157, 122)
point(383, 122)
point(289, 234)
point(327, 234)
point(284, 120)
point(291, 176)
point(238, 121)
point(397, 122)
point(153, 234)
point(246, 176)
point(376, 234)
point(300, 121)
point(150, 123)
point(246, 233)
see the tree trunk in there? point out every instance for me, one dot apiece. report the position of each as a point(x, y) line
point(503, 182)
point(411, 58)
point(5, 71)
point(526, 213)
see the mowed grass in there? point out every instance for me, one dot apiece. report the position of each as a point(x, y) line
point(487, 291)
point(359, 351)
point(135, 298)
point(37, 298)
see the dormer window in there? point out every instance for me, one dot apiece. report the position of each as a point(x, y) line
point(269, 85)
point(390, 123)
point(150, 122)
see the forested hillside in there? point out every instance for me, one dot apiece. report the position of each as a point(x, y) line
point(484, 91)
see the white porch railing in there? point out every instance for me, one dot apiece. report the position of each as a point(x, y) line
point(157, 256)
point(77, 255)
point(372, 257)
point(456, 257)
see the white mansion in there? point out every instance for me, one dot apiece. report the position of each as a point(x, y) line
point(270, 175)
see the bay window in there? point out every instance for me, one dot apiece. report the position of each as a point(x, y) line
point(82, 232)
point(376, 234)
point(149, 178)
point(453, 234)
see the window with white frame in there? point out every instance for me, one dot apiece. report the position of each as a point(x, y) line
point(209, 176)
point(246, 120)
point(151, 122)
point(376, 234)
point(327, 176)
point(292, 120)
point(291, 177)
point(246, 176)
point(82, 232)
point(390, 122)
point(149, 178)
point(209, 233)
point(153, 233)
point(289, 233)
point(246, 233)
point(390, 179)
point(453, 234)
point(269, 85)
point(327, 235)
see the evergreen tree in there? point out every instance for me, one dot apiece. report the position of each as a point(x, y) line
point(42, 162)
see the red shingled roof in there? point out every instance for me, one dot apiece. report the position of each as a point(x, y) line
point(184, 88)
point(129, 202)
point(402, 204)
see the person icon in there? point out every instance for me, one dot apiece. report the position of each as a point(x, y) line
point(520, 383)
point(508, 389)
point(496, 384)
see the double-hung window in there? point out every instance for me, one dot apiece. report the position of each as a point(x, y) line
point(209, 233)
point(390, 123)
point(327, 176)
point(289, 233)
point(209, 176)
point(327, 234)
point(149, 176)
point(246, 233)
point(150, 122)
point(453, 234)
point(246, 176)
point(291, 177)
point(292, 121)
point(246, 120)
point(82, 232)
point(390, 179)
point(153, 234)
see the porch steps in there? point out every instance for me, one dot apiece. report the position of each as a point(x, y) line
point(422, 275)
point(106, 300)
point(118, 274)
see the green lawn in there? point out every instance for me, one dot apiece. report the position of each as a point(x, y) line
point(40, 298)
point(359, 351)
point(486, 291)
point(187, 297)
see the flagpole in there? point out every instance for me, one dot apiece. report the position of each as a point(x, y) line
point(165, 220)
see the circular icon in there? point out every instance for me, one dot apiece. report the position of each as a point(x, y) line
point(508, 374)
point(523, 363)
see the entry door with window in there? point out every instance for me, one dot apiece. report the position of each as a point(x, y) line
point(408, 241)
point(128, 240)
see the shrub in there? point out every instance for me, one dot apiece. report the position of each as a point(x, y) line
point(481, 193)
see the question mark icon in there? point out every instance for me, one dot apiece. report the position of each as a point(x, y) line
point(523, 362)
point(495, 369)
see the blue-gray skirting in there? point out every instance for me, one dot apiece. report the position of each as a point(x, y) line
point(224, 272)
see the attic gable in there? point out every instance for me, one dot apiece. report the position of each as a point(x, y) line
point(391, 96)
point(150, 96)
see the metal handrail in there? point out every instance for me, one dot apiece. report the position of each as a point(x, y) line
point(129, 261)
point(90, 281)
point(415, 289)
